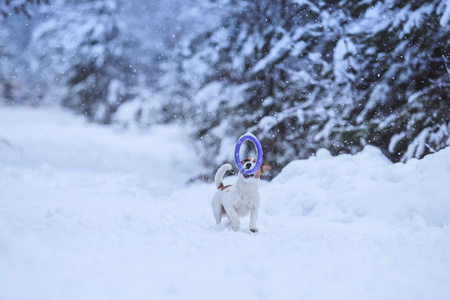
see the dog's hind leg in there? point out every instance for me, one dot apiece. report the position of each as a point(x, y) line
point(217, 211)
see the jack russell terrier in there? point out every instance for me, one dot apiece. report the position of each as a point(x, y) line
point(238, 200)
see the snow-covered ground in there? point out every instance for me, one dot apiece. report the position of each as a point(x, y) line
point(92, 212)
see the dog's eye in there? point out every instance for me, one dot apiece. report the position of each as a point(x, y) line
point(245, 160)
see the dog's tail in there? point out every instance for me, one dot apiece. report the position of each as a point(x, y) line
point(219, 175)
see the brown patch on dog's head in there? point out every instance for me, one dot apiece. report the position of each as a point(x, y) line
point(263, 169)
point(248, 159)
point(248, 163)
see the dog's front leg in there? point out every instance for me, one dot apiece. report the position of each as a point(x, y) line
point(234, 218)
point(253, 217)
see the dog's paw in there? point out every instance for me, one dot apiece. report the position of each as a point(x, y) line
point(254, 229)
point(235, 225)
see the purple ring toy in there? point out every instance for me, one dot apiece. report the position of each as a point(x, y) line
point(250, 137)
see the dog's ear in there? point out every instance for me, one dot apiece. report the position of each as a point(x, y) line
point(265, 168)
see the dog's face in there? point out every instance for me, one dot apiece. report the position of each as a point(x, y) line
point(249, 163)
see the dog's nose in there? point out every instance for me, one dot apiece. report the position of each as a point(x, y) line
point(248, 165)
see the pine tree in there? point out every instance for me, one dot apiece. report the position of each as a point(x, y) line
point(7, 65)
point(86, 50)
point(19, 6)
point(263, 68)
point(303, 75)
point(4, 64)
point(404, 100)
point(164, 90)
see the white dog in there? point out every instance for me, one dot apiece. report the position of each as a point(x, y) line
point(238, 200)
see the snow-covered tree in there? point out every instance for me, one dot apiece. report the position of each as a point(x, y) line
point(4, 63)
point(308, 74)
point(404, 100)
point(14, 13)
point(301, 75)
point(85, 50)
point(166, 96)
point(19, 6)
point(262, 68)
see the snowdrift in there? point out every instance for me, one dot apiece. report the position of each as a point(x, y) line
point(92, 212)
point(346, 188)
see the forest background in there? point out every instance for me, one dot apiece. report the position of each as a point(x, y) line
point(300, 75)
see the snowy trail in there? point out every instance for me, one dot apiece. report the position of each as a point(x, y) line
point(90, 212)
